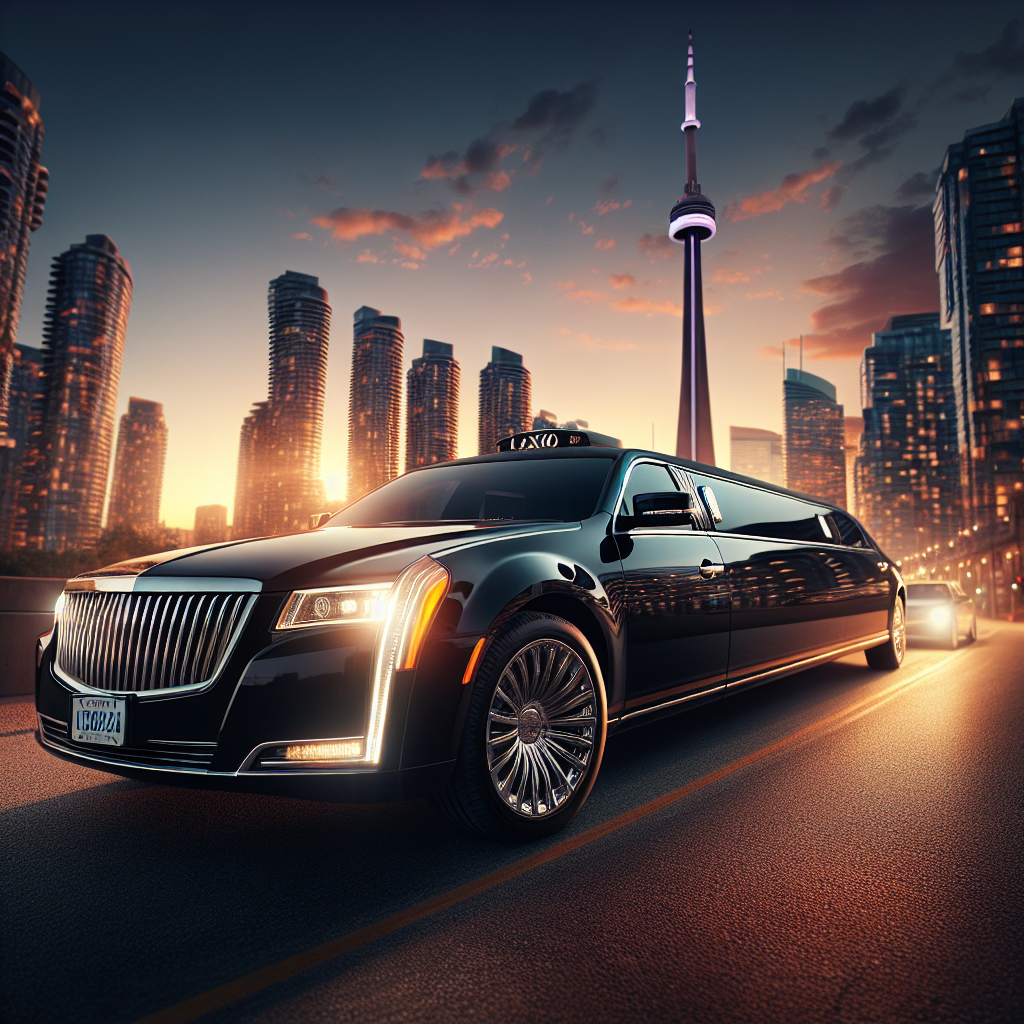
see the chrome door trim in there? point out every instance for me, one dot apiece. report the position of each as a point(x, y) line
point(677, 700)
point(815, 659)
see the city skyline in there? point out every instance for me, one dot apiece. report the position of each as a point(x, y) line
point(582, 321)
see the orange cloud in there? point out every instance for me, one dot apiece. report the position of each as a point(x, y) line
point(408, 251)
point(647, 306)
point(723, 276)
point(429, 229)
point(368, 256)
point(604, 244)
point(305, 235)
point(620, 281)
point(586, 295)
point(792, 190)
point(564, 286)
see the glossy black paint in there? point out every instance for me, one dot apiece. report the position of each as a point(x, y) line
point(664, 628)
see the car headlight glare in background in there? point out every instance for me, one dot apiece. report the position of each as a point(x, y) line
point(940, 614)
point(332, 606)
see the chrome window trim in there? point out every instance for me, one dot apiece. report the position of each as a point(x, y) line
point(168, 691)
point(166, 584)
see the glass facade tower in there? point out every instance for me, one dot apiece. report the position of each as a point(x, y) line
point(139, 466)
point(21, 411)
point(375, 401)
point(979, 235)
point(757, 453)
point(813, 442)
point(432, 407)
point(23, 185)
point(908, 474)
point(504, 399)
point(278, 484)
point(68, 458)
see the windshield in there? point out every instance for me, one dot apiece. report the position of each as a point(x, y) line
point(928, 592)
point(560, 490)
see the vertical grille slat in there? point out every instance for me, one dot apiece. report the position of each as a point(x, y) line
point(123, 642)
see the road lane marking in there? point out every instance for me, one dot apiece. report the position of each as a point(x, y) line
point(223, 995)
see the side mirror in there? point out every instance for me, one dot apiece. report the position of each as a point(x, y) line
point(661, 508)
point(317, 519)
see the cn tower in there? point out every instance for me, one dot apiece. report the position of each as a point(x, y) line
point(692, 221)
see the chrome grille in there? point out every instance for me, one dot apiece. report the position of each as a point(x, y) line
point(135, 642)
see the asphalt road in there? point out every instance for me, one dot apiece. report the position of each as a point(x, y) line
point(842, 845)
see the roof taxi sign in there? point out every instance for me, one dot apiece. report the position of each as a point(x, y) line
point(534, 439)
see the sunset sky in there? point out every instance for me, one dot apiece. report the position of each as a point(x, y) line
point(501, 175)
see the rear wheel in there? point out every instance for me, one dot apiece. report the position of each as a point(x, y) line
point(973, 635)
point(889, 656)
point(534, 735)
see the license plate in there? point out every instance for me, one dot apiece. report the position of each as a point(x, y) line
point(98, 720)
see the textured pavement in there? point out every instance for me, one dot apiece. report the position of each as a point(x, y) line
point(871, 872)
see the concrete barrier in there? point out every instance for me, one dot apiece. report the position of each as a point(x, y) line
point(26, 611)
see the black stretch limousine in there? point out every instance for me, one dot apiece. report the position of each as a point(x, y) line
point(471, 630)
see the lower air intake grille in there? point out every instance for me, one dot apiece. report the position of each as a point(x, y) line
point(187, 756)
point(135, 642)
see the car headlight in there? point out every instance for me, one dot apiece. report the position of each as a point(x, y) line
point(940, 614)
point(411, 605)
point(331, 606)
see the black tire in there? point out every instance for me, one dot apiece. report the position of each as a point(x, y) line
point(973, 635)
point(889, 656)
point(568, 702)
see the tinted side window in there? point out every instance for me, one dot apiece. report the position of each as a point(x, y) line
point(645, 478)
point(764, 513)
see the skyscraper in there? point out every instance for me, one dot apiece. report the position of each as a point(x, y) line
point(908, 472)
point(139, 466)
point(979, 254)
point(853, 428)
point(211, 524)
point(278, 483)
point(375, 401)
point(64, 477)
point(504, 398)
point(23, 185)
point(757, 453)
point(250, 491)
point(21, 409)
point(693, 220)
point(813, 441)
point(432, 407)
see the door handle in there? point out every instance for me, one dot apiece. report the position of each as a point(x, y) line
point(709, 570)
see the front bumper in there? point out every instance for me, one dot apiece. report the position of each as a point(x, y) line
point(277, 689)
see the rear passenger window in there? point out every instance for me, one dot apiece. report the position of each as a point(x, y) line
point(766, 514)
point(645, 478)
point(851, 534)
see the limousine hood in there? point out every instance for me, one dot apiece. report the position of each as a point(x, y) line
point(324, 557)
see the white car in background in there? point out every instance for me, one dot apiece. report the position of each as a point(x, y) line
point(940, 610)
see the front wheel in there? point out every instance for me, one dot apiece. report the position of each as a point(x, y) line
point(889, 656)
point(973, 635)
point(534, 734)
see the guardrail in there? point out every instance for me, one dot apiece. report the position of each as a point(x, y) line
point(26, 611)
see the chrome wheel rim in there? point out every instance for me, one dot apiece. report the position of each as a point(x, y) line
point(541, 728)
point(899, 630)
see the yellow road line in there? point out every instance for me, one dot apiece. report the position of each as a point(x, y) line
point(206, 1002)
